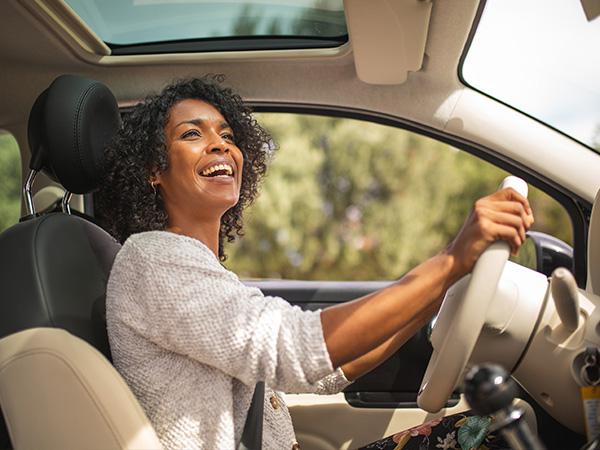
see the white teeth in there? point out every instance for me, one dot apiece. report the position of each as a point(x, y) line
point(226, 167)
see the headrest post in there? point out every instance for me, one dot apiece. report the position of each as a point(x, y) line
point(65, 202)
point(27, 192)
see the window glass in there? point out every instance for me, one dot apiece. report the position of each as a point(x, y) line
point(541, 58)
point(10, 181)
point(125, 23)
point(351, 200)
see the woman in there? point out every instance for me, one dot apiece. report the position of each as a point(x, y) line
point(188, 337)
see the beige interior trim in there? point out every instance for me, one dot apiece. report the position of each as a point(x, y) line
point(593, 284)
point(59, 16)
point(86, 44)
point(591, 8)
point(218, 57)
point(58, 392)
point(328, 422)
point(478, 118)
point(388, 37)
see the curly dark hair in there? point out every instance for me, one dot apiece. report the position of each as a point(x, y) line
point(126, 202)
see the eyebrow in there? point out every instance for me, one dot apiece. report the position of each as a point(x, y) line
point(198, 122)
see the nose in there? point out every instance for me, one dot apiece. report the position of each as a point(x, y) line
point(219, 145)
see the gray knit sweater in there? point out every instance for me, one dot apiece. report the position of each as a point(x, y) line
point(192, 341)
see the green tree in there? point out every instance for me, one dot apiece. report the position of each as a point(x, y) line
point(347, 199)
point(247, 22)
point(10, 181)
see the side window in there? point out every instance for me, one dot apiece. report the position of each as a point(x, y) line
point(10, 181)
point(351, 200)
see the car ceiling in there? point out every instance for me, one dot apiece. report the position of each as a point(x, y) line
point(34, 51)
point(35, 55)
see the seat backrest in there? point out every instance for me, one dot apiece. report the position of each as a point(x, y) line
point(53, 271)
point(54, 267)
point(63, 394)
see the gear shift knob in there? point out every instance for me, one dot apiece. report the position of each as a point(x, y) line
point(490, 390)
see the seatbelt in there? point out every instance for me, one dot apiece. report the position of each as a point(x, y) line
point(253, 428)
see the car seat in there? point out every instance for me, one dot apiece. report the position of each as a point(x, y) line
point(57, 386)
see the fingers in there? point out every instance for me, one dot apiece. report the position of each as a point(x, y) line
point(510, 202)
point(515, 237)
point(511, 195)
point(504, 215)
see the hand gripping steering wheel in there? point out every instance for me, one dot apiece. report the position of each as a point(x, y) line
point(461, 319)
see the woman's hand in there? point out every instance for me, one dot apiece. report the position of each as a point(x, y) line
point(361, 334)
point(504, 215)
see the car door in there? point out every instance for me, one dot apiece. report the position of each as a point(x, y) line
point(347, 207)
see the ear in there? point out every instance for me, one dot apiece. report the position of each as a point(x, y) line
point(155, 177)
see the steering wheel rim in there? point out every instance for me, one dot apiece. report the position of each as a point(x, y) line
point(461, 319)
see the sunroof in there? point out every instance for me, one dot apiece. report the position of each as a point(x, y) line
point(161, 26)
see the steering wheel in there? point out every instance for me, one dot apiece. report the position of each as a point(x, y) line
point(461, 319)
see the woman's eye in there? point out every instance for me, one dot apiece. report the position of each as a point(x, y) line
point(191, 133)
point(228, 136)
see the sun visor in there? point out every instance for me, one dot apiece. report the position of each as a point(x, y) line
point(388, 37)
point(591, 9)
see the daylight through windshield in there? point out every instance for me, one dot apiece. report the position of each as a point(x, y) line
point(541, 58)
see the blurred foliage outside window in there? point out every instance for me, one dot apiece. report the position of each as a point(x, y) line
point(351, 200)
point(10, 181)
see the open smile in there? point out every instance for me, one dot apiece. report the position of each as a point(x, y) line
point(217, 169)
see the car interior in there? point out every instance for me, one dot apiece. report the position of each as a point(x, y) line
point(46, 367)
point(71, 70)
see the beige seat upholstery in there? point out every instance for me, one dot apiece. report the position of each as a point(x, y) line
point(58, 392)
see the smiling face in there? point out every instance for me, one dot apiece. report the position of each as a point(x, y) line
point(205, 168)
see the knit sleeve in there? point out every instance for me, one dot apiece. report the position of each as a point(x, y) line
point(332, 383)
point(180, 298)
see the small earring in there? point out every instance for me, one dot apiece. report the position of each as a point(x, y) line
point(153, 187)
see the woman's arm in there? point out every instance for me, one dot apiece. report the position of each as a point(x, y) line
point(365, 331)
point(375, 357)
point(360, 334)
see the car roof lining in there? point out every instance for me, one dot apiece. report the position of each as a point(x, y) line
point(430, 95)
point(57, 51)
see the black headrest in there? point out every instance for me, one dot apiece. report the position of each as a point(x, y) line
point(69, 124)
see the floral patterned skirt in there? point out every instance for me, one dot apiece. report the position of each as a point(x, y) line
point(456, 432)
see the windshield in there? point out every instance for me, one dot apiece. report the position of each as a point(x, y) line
point(542, 58)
